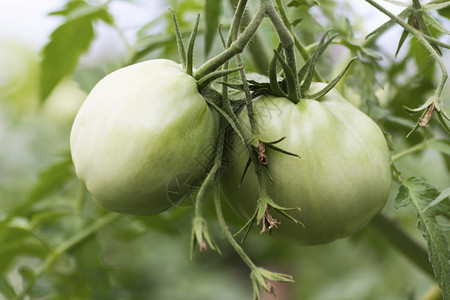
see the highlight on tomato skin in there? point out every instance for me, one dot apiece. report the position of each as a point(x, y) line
point(139, 128)
point(341, 181)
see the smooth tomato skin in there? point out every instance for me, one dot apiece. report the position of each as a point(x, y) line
point(341, 181)
point(139, 128)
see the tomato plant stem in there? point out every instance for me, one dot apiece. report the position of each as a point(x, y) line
point(257, 48)
point(65, 246)
point(424, 40)
point(404, 243)
point(226, 230)
point(303, 52)
point(236, 47)
point(210, 177)
point(415, 148)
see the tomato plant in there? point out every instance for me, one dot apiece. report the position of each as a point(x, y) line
point(318, 123)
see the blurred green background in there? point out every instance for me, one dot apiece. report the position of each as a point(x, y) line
point(43, 205)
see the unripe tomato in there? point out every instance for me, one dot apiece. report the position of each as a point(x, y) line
point(143, 137)
point(341, 181)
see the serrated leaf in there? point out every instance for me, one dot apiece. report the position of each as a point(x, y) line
point(421, 194)
point(402, 198)
point(68, 42)
point(442, 200)
point(212, 15)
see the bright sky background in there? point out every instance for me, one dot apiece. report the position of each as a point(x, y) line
point(26, 21)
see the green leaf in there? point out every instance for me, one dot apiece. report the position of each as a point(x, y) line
point(50, 180)
point(68, 42)
point(429, 203)
point(441, 200)
point(212, 15)
point(402, 198)
point(6, 289)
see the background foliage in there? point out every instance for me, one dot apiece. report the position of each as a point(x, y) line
point(56, 243)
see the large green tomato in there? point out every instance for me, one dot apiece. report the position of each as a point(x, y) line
point(341, 181)
point(143, 138)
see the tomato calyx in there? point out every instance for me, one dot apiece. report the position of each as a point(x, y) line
point(261, 278)
point(268, 221)
point(200, 235)
point(260, 152)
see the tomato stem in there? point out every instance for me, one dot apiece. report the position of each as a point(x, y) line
point(404, 243)
point(426, 41)
point(418, 147)
point(236, 47)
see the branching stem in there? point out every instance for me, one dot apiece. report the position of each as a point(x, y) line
point(415, 148)
point(424, 40)
point(66, 246)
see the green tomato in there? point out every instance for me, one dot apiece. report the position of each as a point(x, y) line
point(143, 138)
point(340, 182)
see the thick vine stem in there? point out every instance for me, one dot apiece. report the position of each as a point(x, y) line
point(233, 35)
point(260, 277)
point(424, 40)
point(404, 243)
point(236, 47)
point(301, 49)
point(200, 233)
point(249, 136)
point(257, 49)
point(285, 37)
point(418, 147)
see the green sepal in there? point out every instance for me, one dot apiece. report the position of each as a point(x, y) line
point(208, 79)
point(442, 116)
point(289, 76)
point(214, 105)
point(424, 28)
point(274, 86)
point(190, 52)
point(331, 85)
point(200, 235)
point(275, 148)
point(179, 37)
point(247, 165)
point(260, 280)
point(307, 75)
point(405, 33)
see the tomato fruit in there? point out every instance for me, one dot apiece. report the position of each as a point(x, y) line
point(341, 180)
point(142, 138)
